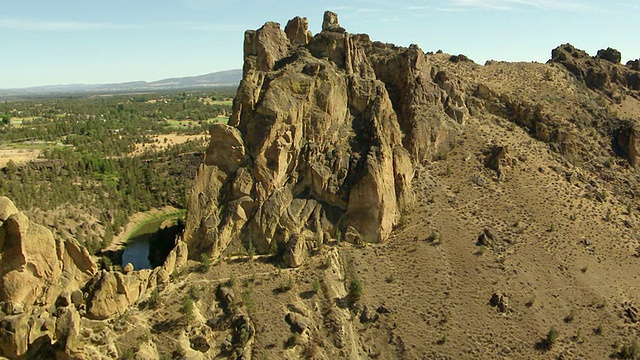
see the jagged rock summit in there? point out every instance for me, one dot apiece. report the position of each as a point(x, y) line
point(322, 140)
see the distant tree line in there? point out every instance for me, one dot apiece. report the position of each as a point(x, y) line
point(98, 166)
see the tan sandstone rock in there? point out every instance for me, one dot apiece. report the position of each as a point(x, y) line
point(323, 137)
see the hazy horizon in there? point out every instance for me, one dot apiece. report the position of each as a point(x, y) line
point(78, 42)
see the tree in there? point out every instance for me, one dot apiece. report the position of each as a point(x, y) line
point(6, 119)
point(355, 290)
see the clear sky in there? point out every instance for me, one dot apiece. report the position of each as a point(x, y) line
point(48, 42)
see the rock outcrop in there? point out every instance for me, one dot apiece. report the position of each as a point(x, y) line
point(111, 293)
point(323, 137)
point(35, 269)
point(602, 72)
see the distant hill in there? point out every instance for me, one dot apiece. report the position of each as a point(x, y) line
point(216, 79)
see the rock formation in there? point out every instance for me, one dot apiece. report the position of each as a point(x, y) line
point(110, 293)
point(35, 269)
point(322, 140)
point(602, 72)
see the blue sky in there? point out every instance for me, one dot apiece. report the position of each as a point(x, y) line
point(50, 42)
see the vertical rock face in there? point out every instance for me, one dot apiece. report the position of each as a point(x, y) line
point(325, 131)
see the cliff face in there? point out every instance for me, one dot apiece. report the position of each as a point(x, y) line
point(321, 140)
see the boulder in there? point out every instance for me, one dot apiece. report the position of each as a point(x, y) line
point(7, 208)
point(499, 301)
point(495, 158)
point(297, 250)
point(111, 293)
point(128, 269)
point(226, 149)
point(14, 335)
point(67, 328)
point(297, 31)
point(298, 322)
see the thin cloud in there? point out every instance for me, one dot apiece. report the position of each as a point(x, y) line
point(451, 9)
point(515, 4)
point(36, 25)
point(417, 8)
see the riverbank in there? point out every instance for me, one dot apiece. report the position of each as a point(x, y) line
point(137, 221)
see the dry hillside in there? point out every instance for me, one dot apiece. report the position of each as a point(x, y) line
point(373, 201)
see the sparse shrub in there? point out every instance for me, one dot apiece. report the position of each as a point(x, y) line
point(443, 339)
point(570, 316)
point(355, 290)
point(285, 284)
point(442, 156)
point(599, 330)
point(187, 307)
point(552, 337)
point(205, 262)
point(196, 292)
point(600, 304)
point(232, 280)
point(154, 299)
point(584, 269)
point(247, 298)
point(434, 238)
point(292, 341)
point(327, 262)
point(251, 251)
point(390, 278)
point(128, 354)
point(338, 235)
point(316, 286)
point(627, 351)
point(402, 221)
point(531, 301)
point(273, 248)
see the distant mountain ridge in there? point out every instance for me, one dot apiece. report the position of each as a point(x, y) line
point(216, 79)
